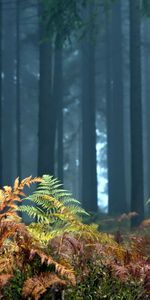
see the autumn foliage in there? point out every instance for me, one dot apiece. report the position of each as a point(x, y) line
point(76, 259)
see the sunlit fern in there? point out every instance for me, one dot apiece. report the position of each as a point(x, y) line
point(56, 211)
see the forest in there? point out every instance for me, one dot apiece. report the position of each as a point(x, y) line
point(74, 149)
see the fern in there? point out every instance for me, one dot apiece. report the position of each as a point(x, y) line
point(52, 187)
point(55, 210)
point(37, 285)
point(18, 247)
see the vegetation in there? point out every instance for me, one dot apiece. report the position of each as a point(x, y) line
point(51, 258)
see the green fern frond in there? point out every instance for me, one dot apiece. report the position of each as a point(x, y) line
point(51, 198)
point(70, 201)
point(34, 212)
point(56, 211)
point(53, 187)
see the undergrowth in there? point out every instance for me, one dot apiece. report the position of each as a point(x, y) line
point(61, 257)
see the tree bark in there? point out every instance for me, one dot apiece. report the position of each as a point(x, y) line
point(137, 193)
point(46, 116)
point(8, 107)
point(18, 110)
point(115, 115)
point(146, 112)
point(89, 174)
point(58, 98)
point(1, 160)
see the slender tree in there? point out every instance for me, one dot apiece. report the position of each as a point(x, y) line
point(58, 98)
point(46, 132)
point(115, 112)
point(146, 108)
point(89, 174)
point(8, 107)
point(1, 163)
point(18, 110)
point(137, 201)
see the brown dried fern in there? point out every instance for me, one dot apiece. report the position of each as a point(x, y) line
point(10, 195)
point(38, 285)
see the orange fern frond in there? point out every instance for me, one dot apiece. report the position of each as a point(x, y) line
point(61, 269)
point(7, 264)
point(26, 181)
point(4, 278)
point(38, 285)
point(9, 196)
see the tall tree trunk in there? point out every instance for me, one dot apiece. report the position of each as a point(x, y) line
point(18, 110)
point(115, 110)
point(137, 201)
point(108, 108)
point(58, 98)
point(8, 116)
point(1, 161)
point(50, 98)
point(89, 174)
point(146, 111)
point(46, 106)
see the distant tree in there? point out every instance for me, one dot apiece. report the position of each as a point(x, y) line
point(137, 193)
point(57, 31)
point(58, 98)
point(88, 160)
point(115, 112)
point(1, 161)
point(8, 106)
point(146, 109)
point(50, 102)
point(18, 107)
point(46, 115)
point(72, 117)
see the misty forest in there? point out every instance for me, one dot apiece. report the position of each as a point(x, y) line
point(74, 124)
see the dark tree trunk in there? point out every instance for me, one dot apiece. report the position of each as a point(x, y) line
point(115, 115)
point(137, 201)
point(1, 161)
point(8, 107)
point(109, 111)
point(58, 98)
point(89, 174)
point(49, 101)
point(147, 107)
point(46, 106)
point(18, 110)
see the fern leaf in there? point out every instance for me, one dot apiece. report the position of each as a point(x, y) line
point(37, 285)
point(4, 278)
point(34, 212)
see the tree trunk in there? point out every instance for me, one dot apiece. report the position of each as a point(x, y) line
point(58, 98)
point(18, 110)
point(147, 108)
point(89, 174)
point(8, 107)
point(137, 201)
point(46, 116)
point(115, 115)
point(1, 161)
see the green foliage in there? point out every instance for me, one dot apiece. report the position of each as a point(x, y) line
point(100, 284)
point(64, 18)
point(14, 289)
point(56, 211)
